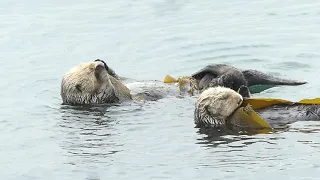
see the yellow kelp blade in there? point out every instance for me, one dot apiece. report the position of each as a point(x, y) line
point(246, 117)
point(170, 79)
point(186, 84)
point(258, 103)
point(310, 101)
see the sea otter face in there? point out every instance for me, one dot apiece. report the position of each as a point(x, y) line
point(87, 76)
point(222, 101)
point(216, 104)
point(86, 83)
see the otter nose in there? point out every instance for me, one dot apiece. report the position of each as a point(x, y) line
point(104, 63)
point(99, 66)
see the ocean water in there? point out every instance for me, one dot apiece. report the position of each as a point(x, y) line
point(146, 40)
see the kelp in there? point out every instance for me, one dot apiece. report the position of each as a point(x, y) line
point(259, 103)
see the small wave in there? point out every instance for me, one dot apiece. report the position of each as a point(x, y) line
point(289, 65)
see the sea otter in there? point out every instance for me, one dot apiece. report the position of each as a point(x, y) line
point(231, 77)
point(96, 83)
point(215, 107)
point(92, 83)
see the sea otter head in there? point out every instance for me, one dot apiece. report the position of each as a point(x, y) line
point(215, 105)
point(234, 80)
point(88, 83)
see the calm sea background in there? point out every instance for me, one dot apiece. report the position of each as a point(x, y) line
point(146, 40)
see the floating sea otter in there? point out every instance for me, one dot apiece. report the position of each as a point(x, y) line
point(231, 77)
point(96, 83)
point(218, 106)
point(92, 83)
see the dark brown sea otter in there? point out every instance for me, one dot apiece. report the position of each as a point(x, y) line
point(231, 77)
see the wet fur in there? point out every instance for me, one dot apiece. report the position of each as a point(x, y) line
point(231, 77)
point(90, 83)
point(214, 105)
point(282, 114)
point(226, 76)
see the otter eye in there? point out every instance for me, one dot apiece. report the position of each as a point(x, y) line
point(78, 87)
point(224, 97)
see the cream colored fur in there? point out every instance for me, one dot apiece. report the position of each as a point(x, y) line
point(215, 104)
point(90, 83)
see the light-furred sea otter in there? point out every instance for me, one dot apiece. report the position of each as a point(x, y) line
point(216, 106)
point(96, 83)
point(92, 83)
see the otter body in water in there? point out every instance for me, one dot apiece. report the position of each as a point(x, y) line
point(91, 83)
point(96, 83)
point(231, 77)
point(215, 107)
point(282, 114)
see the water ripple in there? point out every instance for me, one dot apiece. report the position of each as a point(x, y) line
point(290, 65)
point(143, 39)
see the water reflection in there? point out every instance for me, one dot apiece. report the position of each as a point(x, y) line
point(313, 127)
point(89, 132)
point(214, 137)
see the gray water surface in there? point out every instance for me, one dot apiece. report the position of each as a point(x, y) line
point(146, 40)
